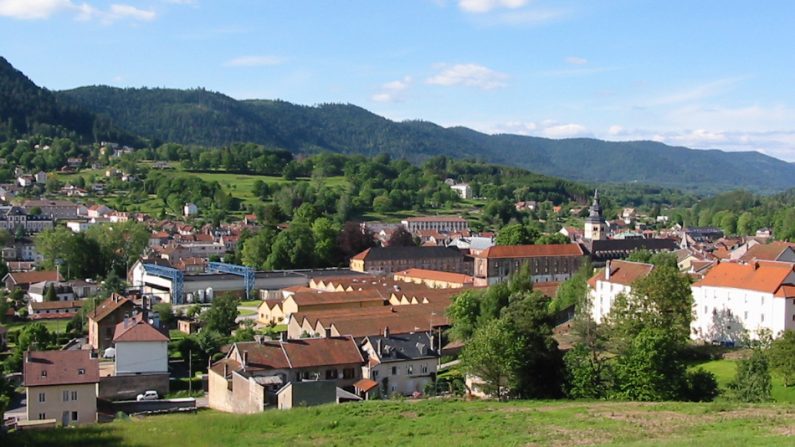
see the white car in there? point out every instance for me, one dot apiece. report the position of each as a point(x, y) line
point(147, 395)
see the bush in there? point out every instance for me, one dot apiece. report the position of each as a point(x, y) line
point(752, 383)
point(702, 386)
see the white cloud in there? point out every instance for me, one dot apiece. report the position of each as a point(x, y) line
point(615, 130)
point(472, 75)
point(393, 91)
point(481, 6)
point(574, 60)
point(32, 9)
point(44, 9)
point(565, 131)
point(253, 61)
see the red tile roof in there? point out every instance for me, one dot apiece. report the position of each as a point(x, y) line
point(108, 306)
point(137, 330)
point(761, 276)
point(365, 385)
point(44, 368)
point(622, 272)
point(531, 251)
point(766, 252)
point(435, 275)
point(312, 352)
point(34, 277)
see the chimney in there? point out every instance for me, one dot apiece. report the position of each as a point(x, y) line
point(245, 359)
point(379, 347)
point(226, 370)
point(433, 342)
point(386, 331)
point(607, 271)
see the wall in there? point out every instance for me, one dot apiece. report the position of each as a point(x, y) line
point(402, 382)
point(129, 387)
point(54, 404)
point(603, 297)
point(141, 357)
point(307, 393)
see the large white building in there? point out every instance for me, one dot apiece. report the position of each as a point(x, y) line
point(442, 224)
point(616, 278)
point(140, 348)
point(733, 300)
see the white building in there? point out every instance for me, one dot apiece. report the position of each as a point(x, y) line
point(140, 348)
point(41, 177)
point(463, 190)
point(442, 224)
point(734, 300)
point(190, 209)
point(616, 278)
point(400, 363)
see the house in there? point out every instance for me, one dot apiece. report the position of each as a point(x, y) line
point(606, 284)
point(733, 300)
point(103, 319)
point(61, 385)
point(26, 180)
point(190, 209)
point(251, 375)
point(40, 177)
point(97, 210)
point(445, 224)
point(54, 310)
point(434, 279)
point(188, 326)
point(13, 218)
point(140, 348)
point(38, 292)
point(275, 312)
point(400, 363)
point(23, 280)
point(58, 209)
point(393, 259)
point(463, 190)
point(547, 263)
point(774, 251)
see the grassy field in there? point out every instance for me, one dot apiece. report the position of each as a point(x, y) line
point(51, 325)
point(447, 423)
point(725, 370)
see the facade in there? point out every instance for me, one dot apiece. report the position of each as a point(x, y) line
point(61, 385)
point(595, 225)
point(443, 224)
point(435, 279)
point(63, 291)
point(548, 263)
point(102, 321)
point(190, 209)
point(58, 209)
point(401, 363)
point(389, 260)
point(54, 310)
point(463, 189)
point(14, 217)
point(616, 278)
point(140, 348)
point(734, 300)
point(251, 376)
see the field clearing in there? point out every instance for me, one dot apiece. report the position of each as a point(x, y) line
point(448, 423)
point(724, 371)
point(51, 325)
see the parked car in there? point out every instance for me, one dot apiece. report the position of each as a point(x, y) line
point(147, 395)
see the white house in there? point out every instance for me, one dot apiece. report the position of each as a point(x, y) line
point(37, 292)
point(41, 177)
point(733, 300)
point(400, 363)
point(463, 190)
point(616, 278)
point(77, 226)
point(140, 348)
point(190, 209)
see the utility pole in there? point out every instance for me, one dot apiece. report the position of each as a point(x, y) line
point(190, 372)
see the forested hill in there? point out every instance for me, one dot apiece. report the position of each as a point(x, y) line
point(26, 108)
point(207, 118)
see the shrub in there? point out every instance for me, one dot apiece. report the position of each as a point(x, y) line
point(702, 386)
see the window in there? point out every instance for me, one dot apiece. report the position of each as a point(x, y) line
point(41, 397)
point(42, 416)
point(745, 315)
point(44, 373)
point(375, 372)
point(66, 396)
point(74, 416)
point(762, 317)
point(331, 374)
point(394, 372)
point(74, 395)
point(348, 373)
point(410, 369)
point(81, 371)
point(425, 369)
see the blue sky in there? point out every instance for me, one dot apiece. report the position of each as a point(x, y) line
point(704, 74)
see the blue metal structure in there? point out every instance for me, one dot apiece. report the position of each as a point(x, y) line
point(246, 272)
point(176, 276)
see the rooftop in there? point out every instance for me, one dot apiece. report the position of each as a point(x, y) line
point(761, 276)
point(621, 272)
point(44, 368)
point(531, 251)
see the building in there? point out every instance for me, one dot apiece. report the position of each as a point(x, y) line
point(14, 218)
point(442, 224)
point(272, 311)
point(190, 209)
point(734, 300)
point(38, 292)
point(434, 279)
point(103, 319)
point(463, 190)
point(595, 225)
point(605, 250)
point(54, 310)
point(400, 363)
point(61, 385)
point(140, 348)
point(24, 280)
point(58, 209)
point(616, 278)
point(389, 260)
point(774, 251)
point(547, 263)
point(250, 377)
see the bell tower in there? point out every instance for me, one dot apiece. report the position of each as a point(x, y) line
point(595, 226)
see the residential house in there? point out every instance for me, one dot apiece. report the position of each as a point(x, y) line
point(58, 209)
point(606, 284)
point(103, 319)
point(400, 363)
point(774, 251)
point(23, 280)
point(40, 177)
point(190, 209)
point(735, 300)
point(394, 259)
point(547, 263)
point(61, 385)
point(37, 292)
point(13, 218)
point(249, 378)
point(54, 310)
point(140, 348)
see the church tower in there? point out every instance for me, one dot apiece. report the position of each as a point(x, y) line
point(595, 226)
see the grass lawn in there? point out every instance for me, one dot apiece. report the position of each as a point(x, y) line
point(250, 303)
point(51, 325)
point(724, 371)
point(246, 312)
point(447, 423)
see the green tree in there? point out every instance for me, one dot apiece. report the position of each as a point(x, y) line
point(782, 356)
point(51, 295)
point(554, 238)
point(221, 315)
point(325, 233)
point(166, 312)
point(257, 248)
point(464, 313)
point(491, 355)
point(745, 224)
point(515, 234)
point(293, 248)
point(651, 369)
point(752, 382)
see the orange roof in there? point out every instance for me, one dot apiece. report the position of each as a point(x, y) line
point(622, 272)
point(365, 385)
point(531, 251)
point(435, 275)
point(138, 330)
point(766, 252)
point(34, 277)
point(314, 297)
point(361, 256)
point(761, 276)
point(47, 368)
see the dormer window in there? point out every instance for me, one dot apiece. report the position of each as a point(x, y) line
point(81, 371)
point(44, 374)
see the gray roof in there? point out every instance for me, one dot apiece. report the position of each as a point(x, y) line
point(399, 347)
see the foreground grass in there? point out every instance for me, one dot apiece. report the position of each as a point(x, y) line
point(443, 423)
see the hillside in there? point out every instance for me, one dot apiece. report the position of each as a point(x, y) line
point(446, 423)
point(207, 118)
point(26, 108)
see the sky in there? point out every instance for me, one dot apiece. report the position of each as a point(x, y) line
point(702, 74)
